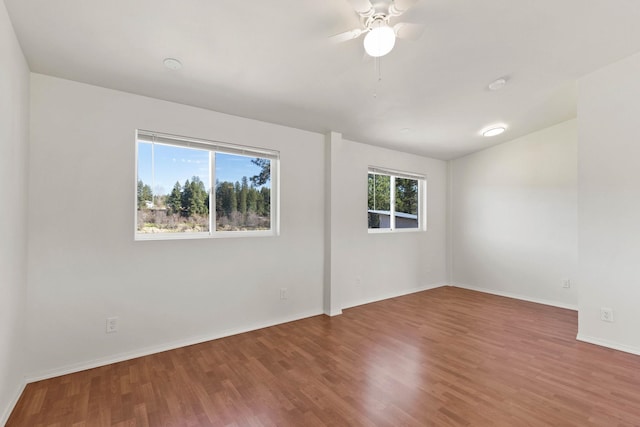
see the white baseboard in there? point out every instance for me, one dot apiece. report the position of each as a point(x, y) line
point(82, 366)
point(517, 296)
point(12, 403)
point(333, 313)
point(389, 295)
point(609, 344)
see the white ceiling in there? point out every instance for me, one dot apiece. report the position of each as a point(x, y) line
point(272, 61)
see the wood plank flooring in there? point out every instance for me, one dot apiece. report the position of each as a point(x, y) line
point(444, 357)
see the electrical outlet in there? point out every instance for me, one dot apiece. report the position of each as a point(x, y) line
point(283, 293)
point(606, 314)
point(112, 325)
point(566, 283)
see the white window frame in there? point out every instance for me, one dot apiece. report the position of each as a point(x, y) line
point(422, 200)
point(213, 147)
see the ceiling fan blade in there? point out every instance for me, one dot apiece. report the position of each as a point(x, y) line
point(363, 7)
point(346, 36)
point(407, 31)
point(398, 7)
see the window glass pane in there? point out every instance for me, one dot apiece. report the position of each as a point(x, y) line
point(243, 193)
point(379, 206)
point(173, 193)
point(406, 203)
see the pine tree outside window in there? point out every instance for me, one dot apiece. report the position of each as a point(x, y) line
point(192, 188)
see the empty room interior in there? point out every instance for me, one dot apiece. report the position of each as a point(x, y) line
point(183, 232)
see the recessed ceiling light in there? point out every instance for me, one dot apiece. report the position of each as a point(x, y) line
point(493, 131)
point(172, 64)
point(497, 84)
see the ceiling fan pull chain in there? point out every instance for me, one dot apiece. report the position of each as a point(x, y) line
point(378, 71)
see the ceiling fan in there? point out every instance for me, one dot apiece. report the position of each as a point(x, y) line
point(380, 36)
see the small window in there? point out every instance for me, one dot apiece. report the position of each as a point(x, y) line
point(188, 188)
point(395, 201)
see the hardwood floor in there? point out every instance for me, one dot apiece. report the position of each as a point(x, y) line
point(444, 357)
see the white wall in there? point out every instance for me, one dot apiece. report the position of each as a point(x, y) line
point(369, 267)
point(514, 217)
point(609, 204)
point(85, 266)
point(14, 127)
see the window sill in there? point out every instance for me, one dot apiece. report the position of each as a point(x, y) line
point(396, 230)
point(206, 235)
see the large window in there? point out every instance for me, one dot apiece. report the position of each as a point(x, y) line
point(188, 188)
point(395, 200)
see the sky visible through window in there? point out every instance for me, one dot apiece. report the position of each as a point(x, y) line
point(173, 164)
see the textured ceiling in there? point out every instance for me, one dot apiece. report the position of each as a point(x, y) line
point(272, 61)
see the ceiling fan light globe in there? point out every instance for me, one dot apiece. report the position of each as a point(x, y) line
point(379, 41)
